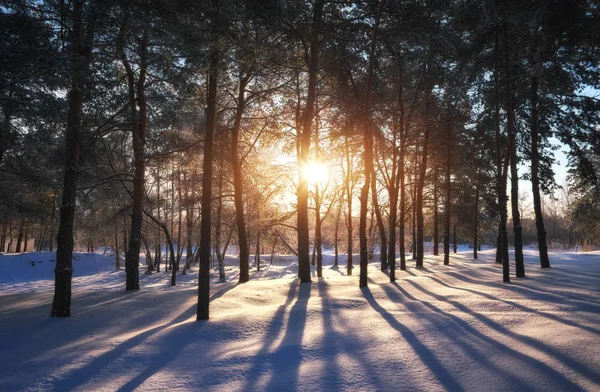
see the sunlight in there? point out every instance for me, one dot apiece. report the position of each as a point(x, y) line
point(317, 173)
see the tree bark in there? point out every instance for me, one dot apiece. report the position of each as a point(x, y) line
point(80, 59)
point(436, 237)
point(139, 130)
point(205, 223)
point(305, 139)
point(535, 180)
point(419, 200)
point(448, 201)
point(514, 176)
point(238, 183)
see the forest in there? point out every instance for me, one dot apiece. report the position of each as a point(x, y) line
point(219, 137)
point(290, 126)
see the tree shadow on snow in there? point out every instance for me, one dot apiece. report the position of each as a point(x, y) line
point(429, 359)
point(85, 373)
point(557, 378)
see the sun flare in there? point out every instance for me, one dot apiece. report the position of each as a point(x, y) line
point(316, 173)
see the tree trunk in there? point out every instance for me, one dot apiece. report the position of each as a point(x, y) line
point(117, 253)
point(305, 139)
point(3, 237)
point(419, 200)
point(383, 257)
point(318, 235)
point(219, 223)
point(455, 248)
point(19, 238)
point(476, 222)
point(205, 223)
point(448, 201)
point(258, 251)
point(238, 183)
point(436, 236)
point(535, 181)
point(138, 133)
point(61, 305)
point(514, 176)
point(26, 235)
point(149, 262)
point(158, 256)
point(349, 227)
point(336, 235)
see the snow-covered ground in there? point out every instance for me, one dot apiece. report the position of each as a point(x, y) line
point(451, 327)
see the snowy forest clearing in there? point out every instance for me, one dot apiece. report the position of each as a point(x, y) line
point(451, 327)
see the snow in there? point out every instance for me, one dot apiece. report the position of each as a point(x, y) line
point(451, 327)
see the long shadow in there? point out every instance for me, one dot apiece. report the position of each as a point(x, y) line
point(330, 339)
point(270, 335)
point(567, 360)
point(287, 358)
point(81, 375)
point(518, 306)
point(172, 344)
point(528, 291)
point(457, 339)
point(429, 359)
point(562, 281)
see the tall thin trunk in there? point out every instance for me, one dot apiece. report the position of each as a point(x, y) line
point(139, 130)
point(179, 218)
point(19, 238)
point(401, 227)
point(448, 201)
point(158, 256)
point(367, 156)
point(380, 226)
point(454, 235)
point(26, 235)
point(336, 235)
point(305, 139)
point(419, 201)
point(476, 223)
point(219, 223)
point(514, 176)
point(436, 236)
point(535, 180)
point(205, 223)
point(349, 201)
point(318, 234)
point(238, 182)
point(3, 237)
point(80, 59)
point(258, 251)
point(117, 253)
point(413, 225)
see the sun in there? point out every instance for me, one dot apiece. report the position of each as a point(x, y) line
point(316, 173)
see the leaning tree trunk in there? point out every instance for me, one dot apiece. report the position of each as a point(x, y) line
point(380, 226)
point(535, 180)
point(80, 59)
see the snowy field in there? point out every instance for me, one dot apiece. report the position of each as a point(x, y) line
point(451, 327)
